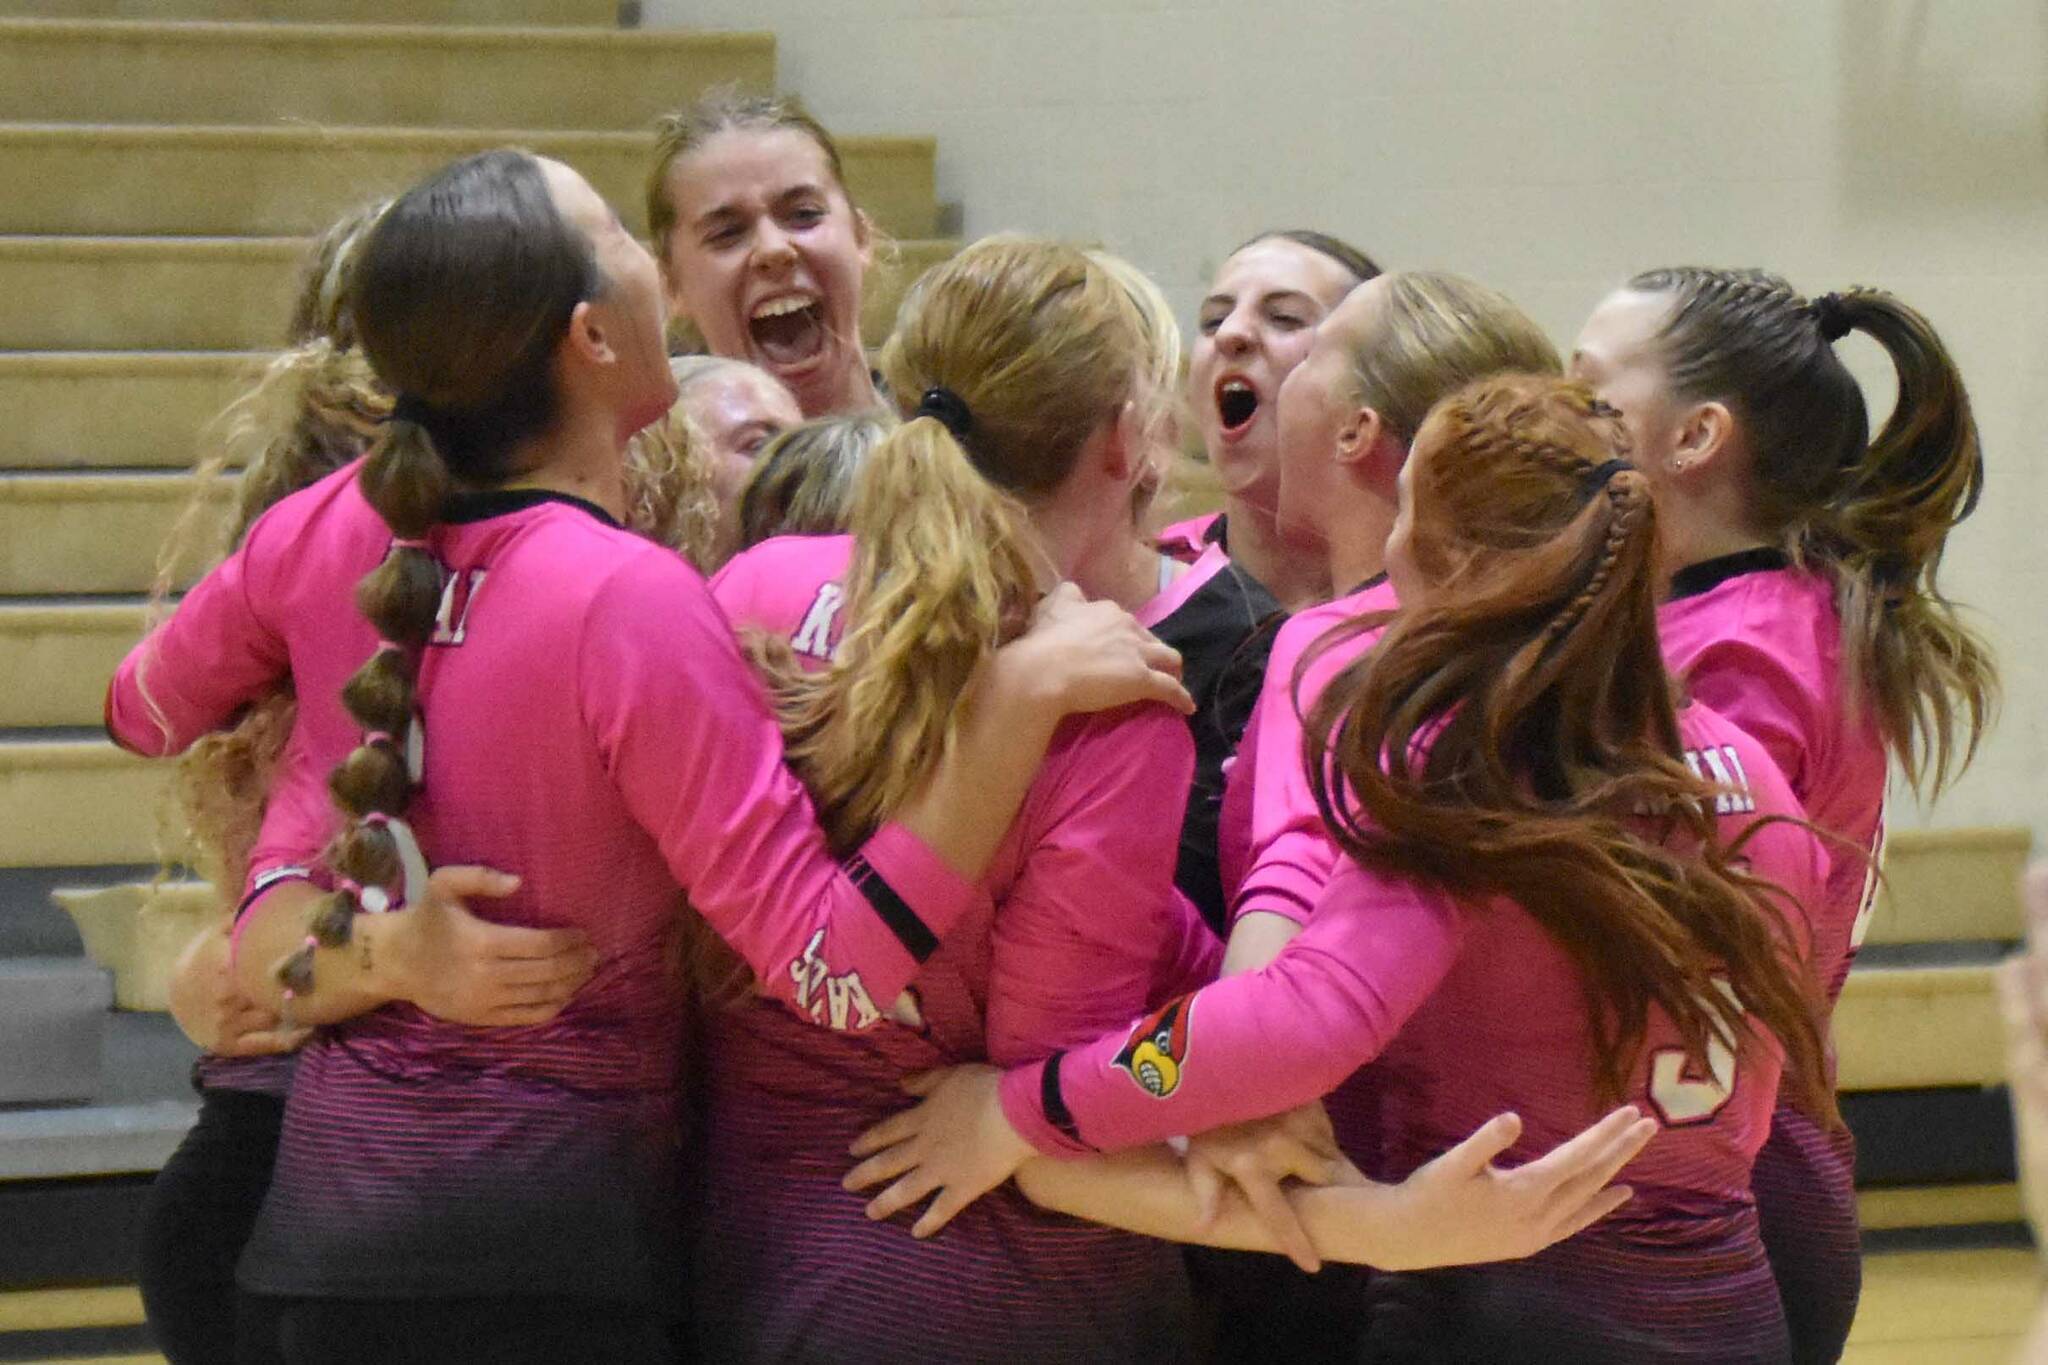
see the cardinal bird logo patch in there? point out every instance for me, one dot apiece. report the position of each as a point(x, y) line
point(1158, 1050)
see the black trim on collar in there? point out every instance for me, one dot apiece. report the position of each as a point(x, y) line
point(1709, 574)
point(463, 508)
point(1368, 584)
point(1217, 532)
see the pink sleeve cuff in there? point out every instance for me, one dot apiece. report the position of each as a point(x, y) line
point(260, 886)
point(1289, 877)
point(1286, 902)
point(1022, 1095)
point(141, 737)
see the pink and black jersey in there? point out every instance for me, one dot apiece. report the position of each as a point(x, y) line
point(1466, 1011)
point(1276, 855)
point(587, 721)
point(1085, 928)
point(1223, 622)
point(1186, 540)
point(1760, 641)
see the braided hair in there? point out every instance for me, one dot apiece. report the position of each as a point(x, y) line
point(1508, 733)
point(460, 297)
point(1874, 514)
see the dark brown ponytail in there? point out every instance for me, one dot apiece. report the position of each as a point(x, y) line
point(405, 479)
point(1874, 514)
point(1884, 530)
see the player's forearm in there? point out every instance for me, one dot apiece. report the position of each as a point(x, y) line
point(1255, 940)
point(1147, 1191)
point(347, 981)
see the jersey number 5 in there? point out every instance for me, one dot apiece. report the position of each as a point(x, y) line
point(1680, 1098)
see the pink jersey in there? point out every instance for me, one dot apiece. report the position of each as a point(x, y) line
point(1466, 1012)
point(643, 686)
point(1086, 909)
point(1276, 855)
point(1086, 930)
point(588, 723)
point(1186, 540)
point(1760, 642)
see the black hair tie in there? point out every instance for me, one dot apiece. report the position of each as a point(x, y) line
point(1599, 476)
point(949, 408)
point(409, 408)
point(1831, 313)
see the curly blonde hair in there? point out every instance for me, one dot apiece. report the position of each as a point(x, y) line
point(669, 493)
point(309, 411)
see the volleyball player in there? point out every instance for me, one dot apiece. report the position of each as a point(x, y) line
point(1562, 893)
point(1802, 554)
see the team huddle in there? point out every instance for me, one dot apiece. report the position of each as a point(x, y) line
point(777, 854)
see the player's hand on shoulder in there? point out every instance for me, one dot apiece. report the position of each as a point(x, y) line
point(1081, 656)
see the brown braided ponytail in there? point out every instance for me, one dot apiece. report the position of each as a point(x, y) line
point(1507, 733)
point(460, 296)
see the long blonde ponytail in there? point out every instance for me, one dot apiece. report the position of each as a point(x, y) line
point(1005, 360)
point(940, 577)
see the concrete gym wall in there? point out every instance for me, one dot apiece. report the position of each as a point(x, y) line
point(1548, 148)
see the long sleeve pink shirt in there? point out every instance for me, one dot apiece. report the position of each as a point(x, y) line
point(589, 723)
point(1088, 921)
point(1276, 855)
point(1761, 643)
point(1083, 929)
point(1391, 969)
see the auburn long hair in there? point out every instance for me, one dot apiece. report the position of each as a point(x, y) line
point(1507, 733)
